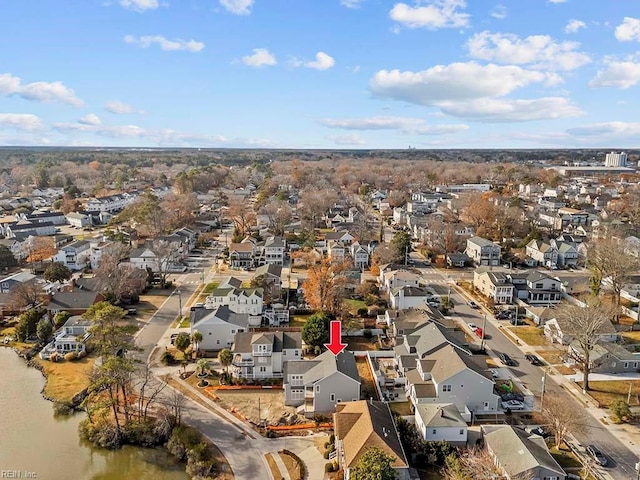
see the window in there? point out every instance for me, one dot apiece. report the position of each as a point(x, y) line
point(262, 369)
point(218, 342)
point(626, 364)
point(317, 388)
point(462, 431)
point(434, 431)
point(233, 331)
point(539, 285)
point(332, 397)
point(446, 388)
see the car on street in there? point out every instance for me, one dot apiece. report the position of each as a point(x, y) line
point(597, 455)
point(507, 360)
point(479, 332)
point(512, 405)
point(532, 359)
point(494, 373)
point(472, 326)
point(473, 304)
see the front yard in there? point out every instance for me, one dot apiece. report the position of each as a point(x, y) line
point(271, 404)
point(532, 336)
point(607, 391)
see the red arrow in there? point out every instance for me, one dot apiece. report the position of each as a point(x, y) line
point(335, 337)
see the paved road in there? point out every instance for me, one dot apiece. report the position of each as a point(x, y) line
point(622, 460)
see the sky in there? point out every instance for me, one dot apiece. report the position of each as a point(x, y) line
point(365, 74)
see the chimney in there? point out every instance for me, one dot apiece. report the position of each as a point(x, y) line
point(370, 400)
point(442, 412)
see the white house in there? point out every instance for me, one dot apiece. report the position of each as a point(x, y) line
point(263, 354)
point(360, 256)
point(495, 285)
point(78, 220)
point(72, 337)
point(272, 252)
point(441, 422)
point(218, 327)
point(144, 258)
point(239, 300)
point(483, 252)
point(321, 383)
point(75, 255)
point(400, 278)
point(406, 297)
point(543, 253)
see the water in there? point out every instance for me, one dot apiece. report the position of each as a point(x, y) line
point(34, 444)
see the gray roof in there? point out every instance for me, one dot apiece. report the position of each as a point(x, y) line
point(230, 282)
point(201, 315)
point(518, 451)
point(269, 268)
point(437, 415)
point(325, 365)
point(481, 242)
point(77, 299)
point(279, 341)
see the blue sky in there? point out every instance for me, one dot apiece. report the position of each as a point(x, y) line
point(321, 73)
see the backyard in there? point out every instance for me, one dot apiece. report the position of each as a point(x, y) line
point(368, 388)
point(67, 378)
point(270, 402)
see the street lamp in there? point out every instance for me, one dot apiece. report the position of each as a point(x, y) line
point(484, 327)
point(180, 301)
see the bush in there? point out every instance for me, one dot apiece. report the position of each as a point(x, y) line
point(102, 435)
point(61, 409)
point(332, 438)
point(167, 358)
point(620, 409)
point(328, 467)
point(183, 439)
point(82, 354)
point(362, 312)
point(367, 333)
point(71, 356)
point(143, 433)
point(301, 466)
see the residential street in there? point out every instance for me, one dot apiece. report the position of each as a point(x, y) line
point(623, 458)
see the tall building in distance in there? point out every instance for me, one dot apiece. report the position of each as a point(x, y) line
point(614, 159)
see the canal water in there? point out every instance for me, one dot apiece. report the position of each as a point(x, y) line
point(34, 444)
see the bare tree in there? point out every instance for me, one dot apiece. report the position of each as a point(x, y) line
point(167, 254)
point(175, 402)
point(472, 464)
point(561, 419)
point(242, 215)
point(609, 263)
point(26, 293)
point(279, 214)
point(149, 389)
point(117, 279)
point(584, 325)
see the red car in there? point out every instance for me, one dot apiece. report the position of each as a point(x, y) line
point(479, 332)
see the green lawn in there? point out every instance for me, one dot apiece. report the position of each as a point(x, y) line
point(401, 408)
point(565, 458)
point(210, 287)
point(532, 336)
point(354, 305)
point(298, 320)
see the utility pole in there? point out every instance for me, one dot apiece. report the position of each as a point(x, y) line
point(544, 384)
point(629, 396)
point(180, 302)
point(484, 326)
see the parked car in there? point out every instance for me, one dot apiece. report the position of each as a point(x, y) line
point(537, 430)
point(512, 396)
point(512, 405)
point(507, 360)
point(473, 304)
point(472, 326)
point(479, 332)
point(131, 311)
point(597, 455)
point(532, 359)
point(173, 337)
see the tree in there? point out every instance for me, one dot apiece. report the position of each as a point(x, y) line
point(620, 409)
point(108, 336)
point(608, 262)
point(472, 464)
point(26, 294)
point(324, 287)
point(279, 214)
point(401, 245)
point(225, 357)
point(118, 280)
point(374, 464)
point(28, 323)
point(57, 272)
point(7, 260)
point(196, 338)
point(182, 342)
point(480, 211)
point(44, 330)
point(167, 255)
point(584, 325)
point(203, 366)
point(40, 248)
point(562, 420)
point(315, 331)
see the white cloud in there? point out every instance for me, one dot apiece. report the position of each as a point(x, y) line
point(607, 130)
point(628, 30)
point(352, 139)
point(539, 51)
point(455, 82)
point(618, 73)
point(574, 25)
point(416, 126)
point(90, 119)
point(145, 41)
point(556, 1)
point(20, 121)
point(261, 57)
point(120, 108)
point(322, 62)
point(351, 3)
point(45, 92)
point(506, 110)
point(140, 5)
point(238, 7)
point(435, 14)
point(499, 12)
